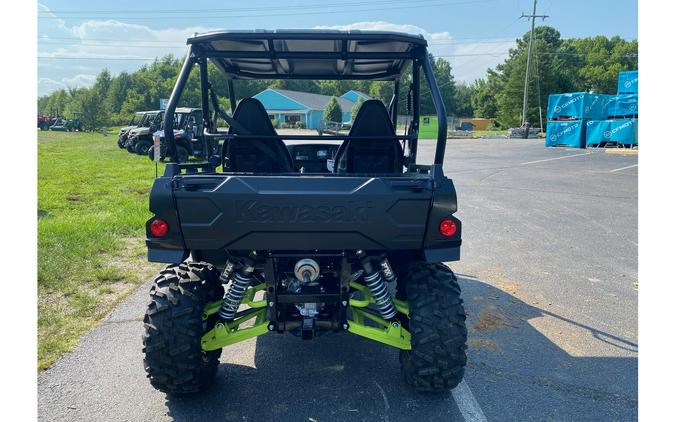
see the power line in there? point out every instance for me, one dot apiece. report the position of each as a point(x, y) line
point(229, 16)
point(169, 44)
point(183, 12)
point(513, 37)
point(94, 58)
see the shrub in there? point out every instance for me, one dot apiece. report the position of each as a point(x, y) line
point(333, 111)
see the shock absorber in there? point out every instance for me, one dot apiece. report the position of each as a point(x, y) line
point(377, 286)
point(227, 272)
point(387, 271)
point(241, 280)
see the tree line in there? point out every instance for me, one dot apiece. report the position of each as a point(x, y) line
point(560, 65)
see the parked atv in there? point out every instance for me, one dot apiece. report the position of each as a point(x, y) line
point(142, 135)
point(301, 252)
point(188, 135)
point(136, 119)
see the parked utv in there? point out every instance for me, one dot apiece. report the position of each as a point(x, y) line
point(133, 124)
point(302, 252)
point(188, 135)
point(139, 139)
point(67, 125)
point(44, 122)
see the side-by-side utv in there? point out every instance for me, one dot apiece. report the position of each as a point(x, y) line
point(257, 244)
point(188, 136)
point(139, 139)
point(136, 120)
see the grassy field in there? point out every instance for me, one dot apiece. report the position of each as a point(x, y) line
point(92, 207)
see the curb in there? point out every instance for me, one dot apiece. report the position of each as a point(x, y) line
point(621, 151)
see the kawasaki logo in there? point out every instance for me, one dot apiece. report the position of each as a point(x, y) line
point(255, 212)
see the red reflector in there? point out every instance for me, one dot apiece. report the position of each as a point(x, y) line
point(159, 228)
point(447, 228)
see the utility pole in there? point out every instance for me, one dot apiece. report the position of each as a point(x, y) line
point(533, 16)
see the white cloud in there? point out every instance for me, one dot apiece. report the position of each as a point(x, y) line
point(479, 56)
point(77, 81)
point(106, 39)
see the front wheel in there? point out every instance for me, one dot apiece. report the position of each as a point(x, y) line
point(142, 147)
point(437, 326)
point(174, 360)
point(182, 154)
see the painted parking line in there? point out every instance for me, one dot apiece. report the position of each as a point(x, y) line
point(624, 168)
point(555, 158)
point(467, 404)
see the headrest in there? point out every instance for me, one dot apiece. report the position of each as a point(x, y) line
point(372, 120)
point(251, 114)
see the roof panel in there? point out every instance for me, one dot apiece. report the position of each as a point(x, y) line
point(318, 54)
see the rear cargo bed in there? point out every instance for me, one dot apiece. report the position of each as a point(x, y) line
point(306, 212)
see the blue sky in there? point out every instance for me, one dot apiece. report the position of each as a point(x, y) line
point(77, 38)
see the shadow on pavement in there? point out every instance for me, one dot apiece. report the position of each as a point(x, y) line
point(515, 372)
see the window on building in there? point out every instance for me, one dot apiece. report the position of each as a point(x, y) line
point(292, 118)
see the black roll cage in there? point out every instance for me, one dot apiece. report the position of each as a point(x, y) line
point(417, 56)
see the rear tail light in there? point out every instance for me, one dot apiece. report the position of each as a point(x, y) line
point(447, 228)
point(159, 228)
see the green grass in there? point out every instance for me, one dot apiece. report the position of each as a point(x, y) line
point(92, 207)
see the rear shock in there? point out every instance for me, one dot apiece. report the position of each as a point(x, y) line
point(377, 286)
point(235, 294)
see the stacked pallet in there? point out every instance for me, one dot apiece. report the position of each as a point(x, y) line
point(581, 119)
point(567, 115)
point(620, 127)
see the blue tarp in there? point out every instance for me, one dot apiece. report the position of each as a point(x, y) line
point(622, 131)
point(628, 82)
point(622, 105)
point(576, 105)
point(565, 132)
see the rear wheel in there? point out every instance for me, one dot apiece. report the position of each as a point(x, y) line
point(437, 327)
point(174, 360)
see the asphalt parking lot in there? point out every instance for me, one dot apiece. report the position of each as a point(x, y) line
point(549, 278)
